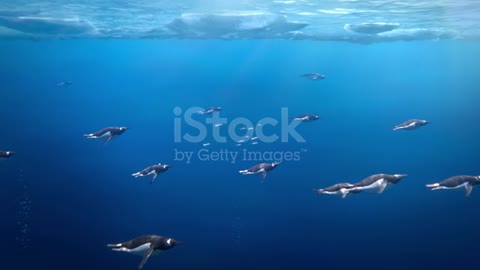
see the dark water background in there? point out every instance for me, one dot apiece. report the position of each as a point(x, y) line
point(63, 198)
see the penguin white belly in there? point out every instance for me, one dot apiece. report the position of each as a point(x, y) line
point(105, 135)
point(331, 192)
point(410, 127)
point(373, 187)
point(457, 187)
point(261, 170)
point(140, 250)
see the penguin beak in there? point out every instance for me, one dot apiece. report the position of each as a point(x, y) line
point(401, 176)
point(178, 242)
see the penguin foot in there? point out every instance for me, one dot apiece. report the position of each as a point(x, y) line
point(433, 186)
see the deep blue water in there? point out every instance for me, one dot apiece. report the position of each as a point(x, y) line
point(80, 195)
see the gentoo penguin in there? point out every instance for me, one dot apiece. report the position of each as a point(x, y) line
point(410, 124)
point(210, 110)
point(145, 246)
point(6, 154)
point(154, 170)
point(106, 133)
point(314, 76)
point(64, 84)
point(376, 183)
point(459, 181)
point(307, 117)
point(262, 168)
point(340, 189)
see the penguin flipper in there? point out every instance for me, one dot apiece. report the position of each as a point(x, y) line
point(154, 177)
point(264, 176)
point(145, 257)
point(109, 138)
point(468, 190)
point(382, 187)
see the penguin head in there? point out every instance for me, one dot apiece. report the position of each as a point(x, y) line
point(399, 177)
point(10, 153)
point(170, 242)
point(122, 129)
point(424, 122)
point(166, 166)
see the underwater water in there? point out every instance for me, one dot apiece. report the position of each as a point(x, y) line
point(64, 197)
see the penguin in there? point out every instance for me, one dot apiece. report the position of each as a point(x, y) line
point(410, 124)
point(6, 154)
point(307, 117)
point(64, 84)
point(377, 183)
point(262, 168)
point(210, 110)
point(341, 189)
point(106, 133)
point(154, 170)
point(459, 181)
point(314, 76)
point(145, 246)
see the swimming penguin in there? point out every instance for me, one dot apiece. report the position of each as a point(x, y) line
point(6, 154)
point(154, 170)
point(106, 133)
point(340, 189)
point(376, 183)
point(459, 181)
point(307, 117)
point(145, 246)
point(411, 124)
point(210, 110)
point(262, 168)
point(64, 84)
point(314, 76)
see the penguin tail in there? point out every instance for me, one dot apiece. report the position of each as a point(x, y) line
point(243, 171)
point(89, 136)
point(318, 191)
point(114, 245)
point(136, 174)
